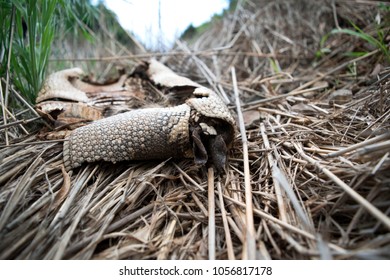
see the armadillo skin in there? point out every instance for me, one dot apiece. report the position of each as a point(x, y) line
point(58, 85)
point(208, 104)
point(154, 133)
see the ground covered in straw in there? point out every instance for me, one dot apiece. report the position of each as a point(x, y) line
point(308, 175)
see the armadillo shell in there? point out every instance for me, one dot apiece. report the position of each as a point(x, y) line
point(154, 133)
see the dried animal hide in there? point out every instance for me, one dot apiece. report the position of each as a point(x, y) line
point(199, 127)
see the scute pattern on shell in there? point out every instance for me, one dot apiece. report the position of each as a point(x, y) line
point(201, 127)
point(210, 105)
point(155, 133)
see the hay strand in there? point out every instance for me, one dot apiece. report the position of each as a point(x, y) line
point(250, 244)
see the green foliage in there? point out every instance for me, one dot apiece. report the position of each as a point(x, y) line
point(233, 5)
point(31, 47)
point(384, 7)
point(274, 65)
point(5, 11)
point(378, 40)
point(192, 32)
point(27, 34)
point(189, 33)
point(323, 50)
point(28, 29)
point(109, 20)
point(77, 18)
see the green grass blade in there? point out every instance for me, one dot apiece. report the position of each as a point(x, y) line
point(358, 34)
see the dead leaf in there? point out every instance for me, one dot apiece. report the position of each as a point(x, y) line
point(162, 75)
point(250, 117)
point(62, 113)
point(304, 109)
point(341, 96)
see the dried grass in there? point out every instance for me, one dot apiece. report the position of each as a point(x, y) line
point(307, 178)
